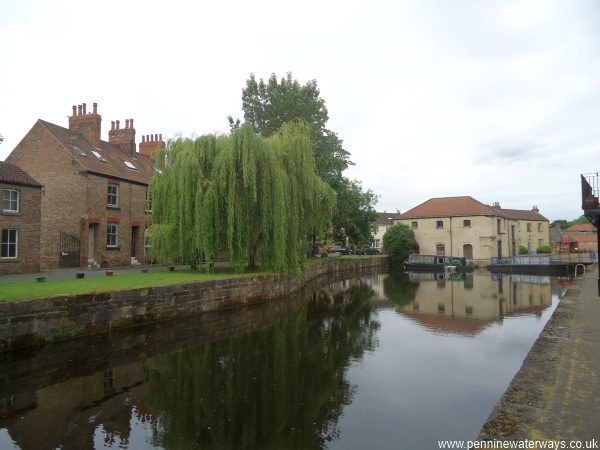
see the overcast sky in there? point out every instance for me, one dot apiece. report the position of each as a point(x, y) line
point(499, 100)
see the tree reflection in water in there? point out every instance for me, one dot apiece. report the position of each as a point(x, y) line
point(281, 387)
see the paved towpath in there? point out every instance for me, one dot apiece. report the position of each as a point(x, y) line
point(556, 394)
point(55, 274)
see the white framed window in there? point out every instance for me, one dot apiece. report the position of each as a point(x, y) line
point(147, 242)
point(10, 244)
point(415, 225)
point(467, 223)
point(112, 234)
point(529, 226)
point(377, 243)
point(10, 200)
point(540, 227)
point(113, 195)
point(439, 224)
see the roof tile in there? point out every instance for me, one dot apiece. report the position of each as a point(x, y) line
point(111, 158)
point(12, 174)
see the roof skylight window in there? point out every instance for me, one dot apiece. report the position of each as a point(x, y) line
point(98, 155)
point(77, 150)
point(130, 165)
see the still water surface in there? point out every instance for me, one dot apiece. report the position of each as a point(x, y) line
point(385, 361)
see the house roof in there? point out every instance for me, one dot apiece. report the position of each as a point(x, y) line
point(105, 159)
point(11, 174)
point(581, 227)
point(449, 207)
point(555, 234)
point(383, 218)
point(583, 237)
point(523, 214)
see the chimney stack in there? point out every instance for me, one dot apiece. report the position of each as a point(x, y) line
point(150, 143)
point(89, 125)
point(124, 138)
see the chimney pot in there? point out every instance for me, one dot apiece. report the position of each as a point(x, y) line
point(156, 137)
point(112, 124)
point(160, 137)
point(84, 108)
point(74, 110)
point(95, 108)
point(78, 110)
point(131, 123)
point(143, 139)
point(118, 124)
point(126, 123)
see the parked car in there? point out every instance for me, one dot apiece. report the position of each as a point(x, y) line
point(339, 249)
point(371, 251)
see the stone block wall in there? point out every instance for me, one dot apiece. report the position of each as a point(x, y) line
point(30, 322)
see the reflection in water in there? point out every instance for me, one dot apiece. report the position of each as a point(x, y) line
point(283, 387)
point(353, 366)
point(453, 302)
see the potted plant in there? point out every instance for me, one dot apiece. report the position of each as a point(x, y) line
point(79, 275)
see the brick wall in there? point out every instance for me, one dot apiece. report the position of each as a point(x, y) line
point(40, 155)
point(129, 215)
point(27, 222)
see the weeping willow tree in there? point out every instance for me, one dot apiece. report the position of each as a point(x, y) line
point(256, 198)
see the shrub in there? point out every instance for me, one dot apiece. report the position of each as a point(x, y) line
point(544, 249)
point(399, 242)
point(523, 250)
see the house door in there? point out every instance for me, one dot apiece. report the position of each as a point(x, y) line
point(134, 236)
point(468, 251)
point(91, 241)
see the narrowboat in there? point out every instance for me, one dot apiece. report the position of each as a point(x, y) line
point(433, 263)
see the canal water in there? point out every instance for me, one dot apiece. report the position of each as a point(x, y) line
point(386, 361)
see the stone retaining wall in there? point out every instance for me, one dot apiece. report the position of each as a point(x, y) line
point(31, 322)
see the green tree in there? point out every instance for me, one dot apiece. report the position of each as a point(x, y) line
point(398, 243)
point(268, 105)
point(569, 223)
point(255, 198)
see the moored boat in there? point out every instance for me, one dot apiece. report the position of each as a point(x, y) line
point(436, 263)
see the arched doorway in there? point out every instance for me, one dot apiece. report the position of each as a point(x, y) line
point(468, 251)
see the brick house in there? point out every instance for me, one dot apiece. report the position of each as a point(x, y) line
point(463, 226)
point(20, 220)
point(585, 237)
point(94, 209)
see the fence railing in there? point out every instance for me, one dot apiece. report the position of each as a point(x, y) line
point(543, 260)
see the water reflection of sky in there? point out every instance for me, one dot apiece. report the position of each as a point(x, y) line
point(423, 384)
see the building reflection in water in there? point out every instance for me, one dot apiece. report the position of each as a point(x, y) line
point(466, 303)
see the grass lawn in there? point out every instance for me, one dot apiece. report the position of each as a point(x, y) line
point(67, 286)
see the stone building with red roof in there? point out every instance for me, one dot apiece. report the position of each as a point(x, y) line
point(463, 226)
point(94, 207)
point(19, 220)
